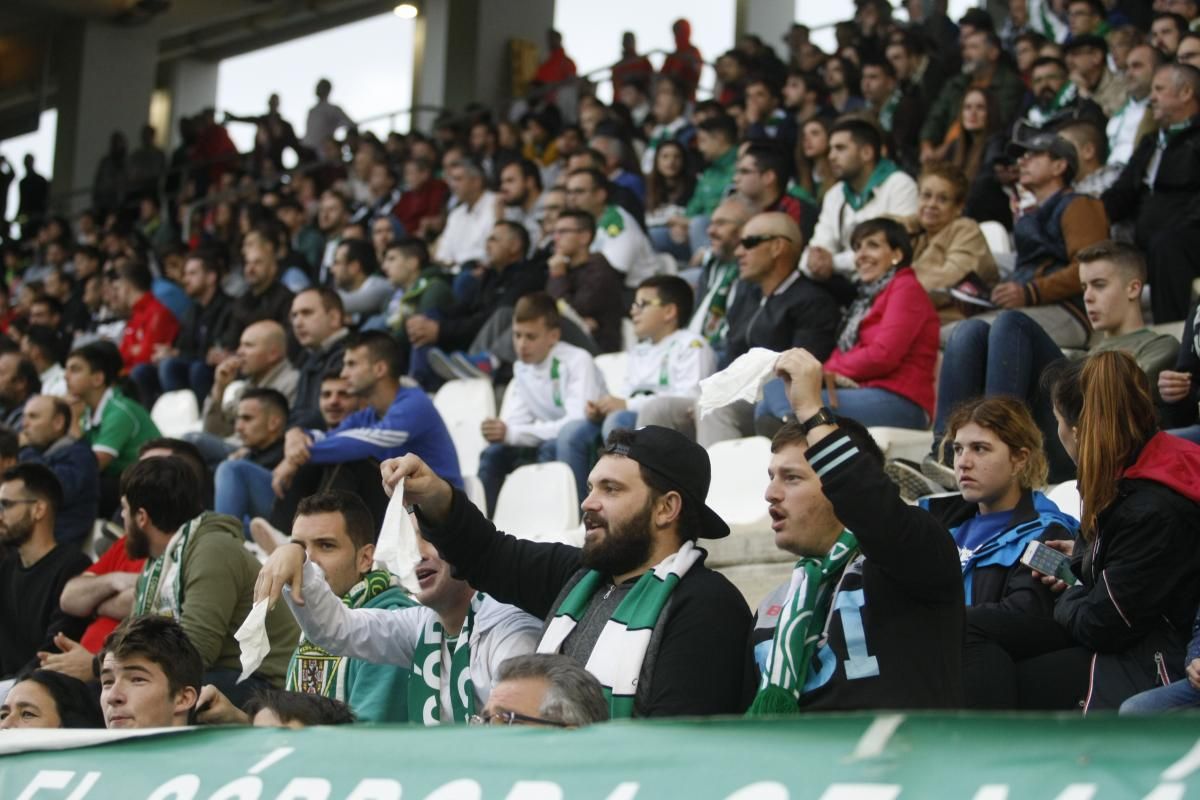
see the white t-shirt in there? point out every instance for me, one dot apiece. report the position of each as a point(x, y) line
point(467, 229)
point(673, 367)
point(547, 396)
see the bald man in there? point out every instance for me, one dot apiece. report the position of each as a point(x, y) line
point(261, 360)
point(776, 307)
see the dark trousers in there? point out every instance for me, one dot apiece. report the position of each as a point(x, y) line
point(357, 477)
point(1173, 262)
point(1020, 661)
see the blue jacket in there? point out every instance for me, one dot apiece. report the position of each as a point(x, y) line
point(74, 463)
point(411, 425)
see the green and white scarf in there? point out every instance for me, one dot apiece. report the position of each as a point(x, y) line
point(425, 684)
point(617, 658)
point(883, 171)
point(800, 628)
point(315, 670)
point(151, 596)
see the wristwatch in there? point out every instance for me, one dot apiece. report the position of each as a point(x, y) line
point(822, 417)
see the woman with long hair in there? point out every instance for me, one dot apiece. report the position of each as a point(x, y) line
point(669, 186)
point(1137, 560)
point(970, 143)
point(813, 170)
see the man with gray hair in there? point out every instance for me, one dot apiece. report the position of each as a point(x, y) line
point(544, 689)
point(468, 225)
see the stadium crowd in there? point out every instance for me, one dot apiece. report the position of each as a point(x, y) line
point(956, 227)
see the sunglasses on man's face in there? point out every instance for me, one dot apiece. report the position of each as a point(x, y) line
point(751, 242)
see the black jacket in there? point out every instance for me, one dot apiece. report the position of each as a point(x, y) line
point(1185, 412)
point(1138, 591)
point(799, 313)
point(306, 411)
point(900, 604)
point(275, 303)
point(504, 288)
point(204, 327)
point(698, 663)
point(1173, 202)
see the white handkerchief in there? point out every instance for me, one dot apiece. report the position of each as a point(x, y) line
point(252, 638)
point(397, 546)
point(741, 380)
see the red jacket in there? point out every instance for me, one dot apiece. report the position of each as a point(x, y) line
point(150, 323)
point(1171, 461)
point(897, 344)
point(557, 67)
point(416, 204)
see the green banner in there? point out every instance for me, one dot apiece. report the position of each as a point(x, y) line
point(851, 757)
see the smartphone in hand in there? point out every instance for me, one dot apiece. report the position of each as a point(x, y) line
point(1049, 561)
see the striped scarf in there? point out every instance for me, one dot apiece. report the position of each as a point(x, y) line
point(799, 629)
point(425, 684)
point(315, 670)
point(617, 658)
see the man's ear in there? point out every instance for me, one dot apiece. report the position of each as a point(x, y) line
point(365, 558)
point(669, 509)
point(185, 701)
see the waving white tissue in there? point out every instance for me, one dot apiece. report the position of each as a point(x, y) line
point(397, 546)
point(252, 639)
point(741, 380)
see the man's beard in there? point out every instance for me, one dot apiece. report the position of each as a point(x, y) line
point(137, 543)
point(624, 547)
point(14, 536)
point(1045, 98)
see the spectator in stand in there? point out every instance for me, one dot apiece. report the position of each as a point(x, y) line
point(43, 347)
point(262, 416)
point(469, 222)
point(324, 118)
point(150, 324)
point(543, 689)
point(983, 68)
point(1085, 18)
point(396, 419)
point(187, 547)
point(150, 674)
point(418, 287)
point(383, 185)
point(46, 439)
point(631, 65)
point(1087, 60)
point(665, 366)
point(583, 277)
point(1178, 386)
point(557, 66)
point(522, 196)
point(896, 108)
point(1008, 357)
point(909, 53)
point(669, 189)
point(114, 425)
point(1172, 696)
point(868, 186)
point(645, 490)
point(765, 115)
point(333, 214)
point(978, 138)
point(859, 545)
point(1158, 188)
point(815, 175)
point(775, 307)
point(1189, 50)
point(214, 152)
point(34, 567)
point(883, 367)
point(1122, 627)
point(948, 248)
point(266, 297)
point(615, 158)
point(318, 323)
point(18, 382)
point(1045, 282)
point(363, 290)
point(618, 236)
point(685, 63)
point(716, 287)
point(336, 400)
point(840, 76)
point(716, 139)
point(621, 196)
point(1095, 175)
point(1166, 31)
point(670, 122)
point(554, 382)
point(304, 238)
point(761, 177)
point(45, 699)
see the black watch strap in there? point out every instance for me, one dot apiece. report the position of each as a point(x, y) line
point(822, 417)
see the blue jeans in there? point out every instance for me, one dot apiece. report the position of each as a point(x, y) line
point(1004, 358)
point(1177, 695)
point(243, 490)
point(871, 407)
point(181, 373)
point(660, 237)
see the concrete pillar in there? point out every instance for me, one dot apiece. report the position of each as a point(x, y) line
point(769, 20)
point(106, 76)
point(191, 85)
point(461, 54)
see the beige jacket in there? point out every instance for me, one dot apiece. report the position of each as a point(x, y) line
point(944, 259)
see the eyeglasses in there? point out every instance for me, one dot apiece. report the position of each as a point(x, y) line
point(642, 305)
point(565, 231)
point(6, 504)
point(511, 718)
point(751, 242)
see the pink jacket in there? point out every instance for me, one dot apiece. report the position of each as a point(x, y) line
point(897, 344)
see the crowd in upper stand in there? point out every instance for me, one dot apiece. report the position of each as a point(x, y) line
point(956, 227)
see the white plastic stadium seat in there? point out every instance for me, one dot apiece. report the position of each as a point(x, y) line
point(1066, 497)
point(613, 366)
point(739, 479)
point(233, 393)
point(176, 413)
point(463, 405)
point(538, 502)
point(628, 337)
point(902, 443)
point(998, 240)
